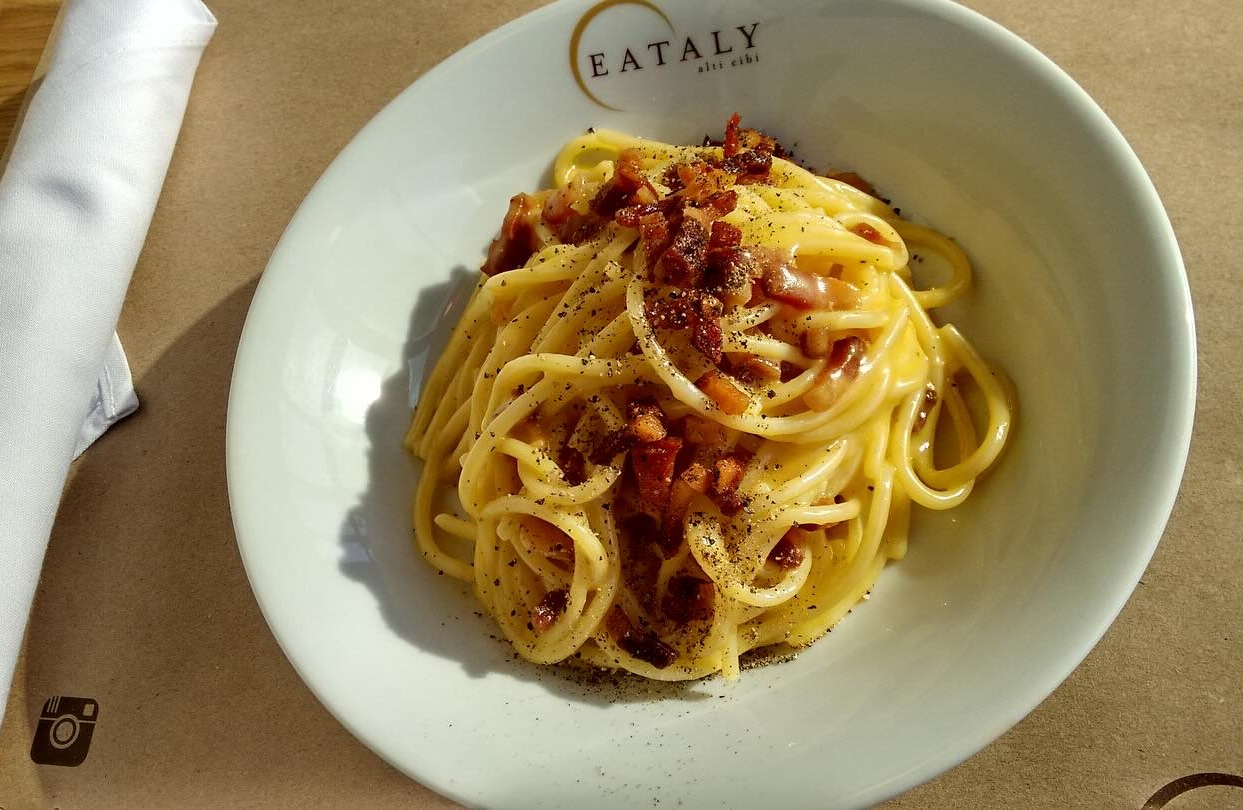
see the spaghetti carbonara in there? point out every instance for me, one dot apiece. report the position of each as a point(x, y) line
point(690, 404)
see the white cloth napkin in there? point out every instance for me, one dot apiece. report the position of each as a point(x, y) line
point(75, 203)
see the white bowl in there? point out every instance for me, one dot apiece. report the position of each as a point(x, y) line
point(1080, 295)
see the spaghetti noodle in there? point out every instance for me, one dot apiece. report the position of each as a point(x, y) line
point(690, 404)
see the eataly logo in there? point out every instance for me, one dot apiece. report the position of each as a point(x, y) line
point(707, 50)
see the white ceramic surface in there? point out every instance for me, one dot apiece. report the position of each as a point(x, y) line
point(1080, 295)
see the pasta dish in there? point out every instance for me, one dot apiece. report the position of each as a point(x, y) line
point(690, 404)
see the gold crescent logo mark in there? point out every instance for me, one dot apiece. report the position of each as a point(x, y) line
point(577, 37)
point(1188, 783)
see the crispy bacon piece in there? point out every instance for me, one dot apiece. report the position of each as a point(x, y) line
point(738, 138)
point(572, 465)
point(698, 311)
point(731, 145)
point(609, 199)
point(653, 466)
point(682, 264)
point(671, 179)
point(606, 448)
point(675, 231)
point(727, 473)
point(852, 179)
point(643, 530)
point(653, 225)
point(755, 139)
point(699, 182)
point(545, 614)
point(868, 232)
point(641, 557)
point(695, 479)
point(788, 553)
point(627, 182)
point(646, 195)
point(654, 229)
point(750, 368)
point(729, 267)
point(688, 599)
point(560, 204)
point(786, 282)
point(847, 355)
point(516, 242)
point(670, 313)
point(723, 392)
point(753, 164)
point(628, 170)
point(732, 279)
point(730, 503)
point(843, 365)
point(632, 215)
point(748, 153)
point(789, 371)
point(724, 237)
point(645, 420)
point(645, 646)
point(703, 432)
point(706, 332)
point(665, 534)
point(817, 341)
point(718, 204)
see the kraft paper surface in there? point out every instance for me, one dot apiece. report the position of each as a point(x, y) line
point(144, 605)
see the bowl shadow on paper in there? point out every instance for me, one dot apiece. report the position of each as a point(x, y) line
point(436, 613)
point(144, 605)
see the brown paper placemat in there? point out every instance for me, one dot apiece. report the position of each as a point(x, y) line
point(145, 607)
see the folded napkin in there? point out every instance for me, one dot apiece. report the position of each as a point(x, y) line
point(75, 203)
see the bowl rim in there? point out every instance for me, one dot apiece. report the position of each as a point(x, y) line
point(1144, 197)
